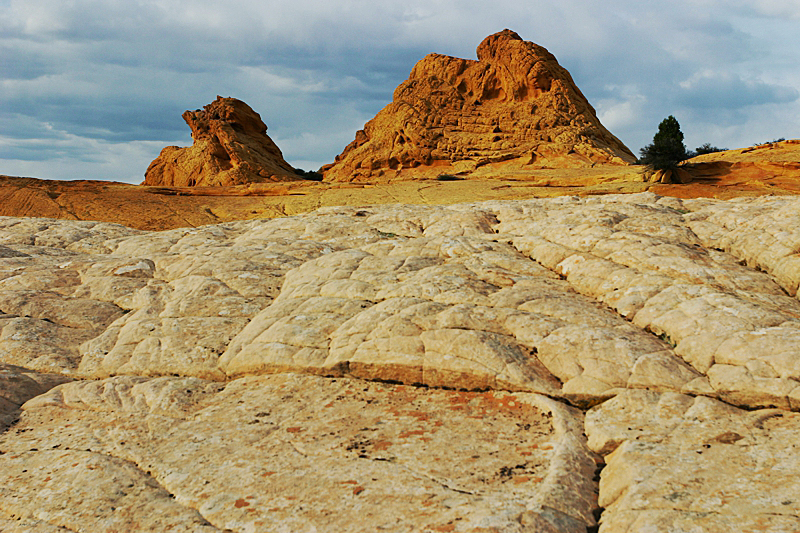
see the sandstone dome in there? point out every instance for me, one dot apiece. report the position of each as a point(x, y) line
point(515, 104)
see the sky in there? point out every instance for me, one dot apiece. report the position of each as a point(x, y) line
point(94, 89)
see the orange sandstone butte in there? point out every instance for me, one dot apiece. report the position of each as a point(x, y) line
point(514, 106)
point(231, 147)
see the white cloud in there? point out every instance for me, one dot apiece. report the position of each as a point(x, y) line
point(61, 85)
point(268, 80)
point(763, 8)
point(778, 8)
point(616, 114)
point(72, 157)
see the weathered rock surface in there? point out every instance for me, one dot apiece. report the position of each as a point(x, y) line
point(416, 368)
point(160, 208)
point(18, 385)
point(767, 169)
point(514, 105)
point(310, 454)
point(678, 463)
point(231, 147)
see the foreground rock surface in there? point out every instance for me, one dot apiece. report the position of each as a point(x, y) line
point(231, 147)
point(299, 453)
point(422, 368)
point(679, 463)
point(515, 105)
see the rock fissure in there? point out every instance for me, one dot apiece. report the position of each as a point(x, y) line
point(128, 486)
point(444, 483)
point(173, 494)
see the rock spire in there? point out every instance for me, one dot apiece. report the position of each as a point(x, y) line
point(231, 147)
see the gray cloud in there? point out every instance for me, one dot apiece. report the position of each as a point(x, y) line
point(723, 90)
point(95, 88)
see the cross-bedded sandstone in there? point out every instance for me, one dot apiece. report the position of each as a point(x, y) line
point(514, 105)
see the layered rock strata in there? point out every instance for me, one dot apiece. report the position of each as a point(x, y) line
point(515, 105)
point(462, 368)
point(775, 164)
point(231, 147)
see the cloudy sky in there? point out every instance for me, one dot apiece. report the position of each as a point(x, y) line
point(93, 89)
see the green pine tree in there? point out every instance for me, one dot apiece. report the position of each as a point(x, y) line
point(667, 148)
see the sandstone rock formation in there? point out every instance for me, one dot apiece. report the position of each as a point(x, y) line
point(231, 147)
point(412, 368)
point(683, 463)
point(515, 104)
point(774, 152)
point(772, 162)
point(765, 170)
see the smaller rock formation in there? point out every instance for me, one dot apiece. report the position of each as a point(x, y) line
point(766, 169)
point(667, 175)
point(514, 106)
point(231, 147)
point(771, 162)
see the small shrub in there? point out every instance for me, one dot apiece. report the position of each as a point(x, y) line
point(680, 211)
point(780, 139)
point(308, 174)
point(664, 337)
point(708, 149)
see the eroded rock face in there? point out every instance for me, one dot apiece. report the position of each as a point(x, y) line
point(231, 147)
point(515, 104)
point(309, 454)
point(18, 385)
point(421, 368)
point(682, 463)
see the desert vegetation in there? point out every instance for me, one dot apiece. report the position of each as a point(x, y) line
point(667, 149)
point(308, 174)
point(773, 141)
point(707, 148)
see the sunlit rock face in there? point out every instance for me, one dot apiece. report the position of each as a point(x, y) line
point(410, 368)
point(231, 147)
point(515, 106)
